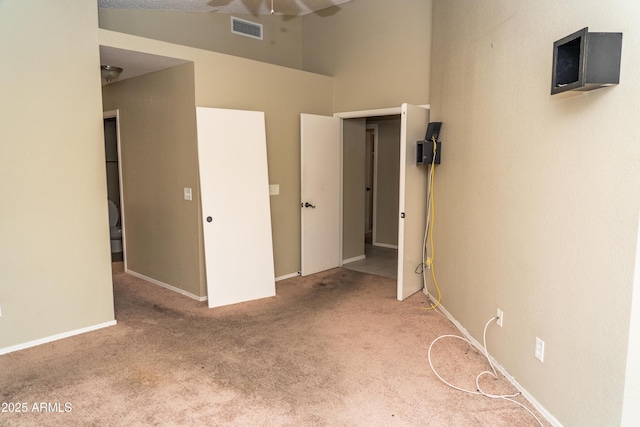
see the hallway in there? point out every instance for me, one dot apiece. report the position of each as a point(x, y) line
point(379, 261)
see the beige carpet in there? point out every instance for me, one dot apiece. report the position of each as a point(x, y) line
point(333, 349)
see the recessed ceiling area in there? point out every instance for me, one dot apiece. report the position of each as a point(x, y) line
point(135, 64)
point(253, 7)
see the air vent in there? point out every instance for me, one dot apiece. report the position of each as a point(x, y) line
point(246, 28)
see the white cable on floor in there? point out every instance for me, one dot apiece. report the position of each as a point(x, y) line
point(479, 391)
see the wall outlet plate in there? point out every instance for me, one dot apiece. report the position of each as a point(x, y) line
point(539, 349)
point(499, 317)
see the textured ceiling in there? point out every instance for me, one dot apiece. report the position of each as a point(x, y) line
point(253, 7)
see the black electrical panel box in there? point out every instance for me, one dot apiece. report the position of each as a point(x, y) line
point(424, 152)
point(424, 149)
point(585, 61)
point(433, 131)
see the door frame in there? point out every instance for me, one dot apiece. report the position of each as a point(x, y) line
point(110, 115)
point(363, 114)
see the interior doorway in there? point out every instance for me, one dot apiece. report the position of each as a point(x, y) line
point(113, 168)
point(370, 182)
point(411, 191)
point(381, 157)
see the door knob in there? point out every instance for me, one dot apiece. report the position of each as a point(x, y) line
point(209, 219)
point(308, 205)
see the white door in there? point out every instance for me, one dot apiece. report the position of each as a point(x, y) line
point(413, 201)
point(234, 189)
point(321, 167)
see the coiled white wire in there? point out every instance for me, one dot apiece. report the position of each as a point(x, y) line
point(493, 373)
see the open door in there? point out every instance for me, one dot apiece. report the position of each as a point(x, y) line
point(320, 181)
point(413, 201)
point(234, 189)
point(320, 196)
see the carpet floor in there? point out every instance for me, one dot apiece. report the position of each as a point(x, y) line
point(332, 349)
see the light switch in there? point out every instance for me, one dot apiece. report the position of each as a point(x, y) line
point(274, 189)
point(187, 194)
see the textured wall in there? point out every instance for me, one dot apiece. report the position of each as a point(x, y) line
point(388, 181)
point(224, 81)
point(353, 188)
point(212, 31)
point(379, 52)
point(55, 274)
point(538, 196)
point(159, 159)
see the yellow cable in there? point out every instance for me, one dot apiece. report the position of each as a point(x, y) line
point(431, 227)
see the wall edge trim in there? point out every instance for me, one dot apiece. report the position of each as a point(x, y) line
point(166, 286)
point(56, 337)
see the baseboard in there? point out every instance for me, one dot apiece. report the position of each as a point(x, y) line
point(385, 245)
point(546, 414)
point(354, 259)
point(189, 294)
point(164, 285)
point(56, 337)
point(287, 276)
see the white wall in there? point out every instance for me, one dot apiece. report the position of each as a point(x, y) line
point(538, 196)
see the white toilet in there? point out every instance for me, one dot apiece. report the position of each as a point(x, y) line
point(115, 230)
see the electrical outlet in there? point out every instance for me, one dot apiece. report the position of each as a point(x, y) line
point(539, 349)
point(428, 263)
point(499, 317)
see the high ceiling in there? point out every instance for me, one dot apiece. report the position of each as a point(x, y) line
point(253, 7)
point(136, 63)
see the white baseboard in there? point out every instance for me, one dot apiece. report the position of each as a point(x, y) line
point(164, 285)
point(189, 294)
point(287, 276)
point(385, 245)
point(546, 414)
point(55, 337)
point(354, 259)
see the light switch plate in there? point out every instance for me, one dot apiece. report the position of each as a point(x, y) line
point(187, 193)
point(274, 189)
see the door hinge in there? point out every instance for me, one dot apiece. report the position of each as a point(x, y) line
point(401, 214)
